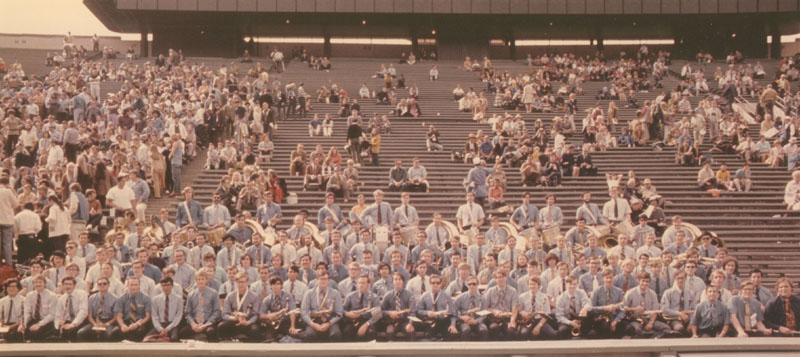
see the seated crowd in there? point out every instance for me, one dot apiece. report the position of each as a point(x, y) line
point(233, 271)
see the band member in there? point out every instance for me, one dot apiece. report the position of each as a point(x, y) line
point(678, 304)
point(397, 305)
point(361, 312)
point(433, 308)
point(783, 311)
point(132, 311)
point(761, 294)
point(202, 311)
point(11, 310)
point(71, 310)
point(526, 217)
point(465, 321)
point(167, 312)
point(277, 312)
point(642, 307)
point(593, 279)
point(240, 312)
point(711, 319)
point(571, 307)
point(500, 301)
point(321, 310)
point(532, 313)
point(746, 314)
point(606, 303)
point(100, 315)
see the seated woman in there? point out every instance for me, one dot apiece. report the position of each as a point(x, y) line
point(552, 170)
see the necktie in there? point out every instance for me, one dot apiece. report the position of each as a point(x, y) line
point(422, 285)
point(705, 252)
point(616, 212)
point(580, 234)
point(305, 277)
point(668, 277)
point(472, 302)
point(573, 310)
point(533, 302)
point(258, 256)
point(166, 307)
point(435, 298)
point(791, 323)
point(625, 283)
point(682, 303)
point(100, 306)
point(501, 299)
point(436, 229)
point(83, 250)
point(70, 309)
point(362, 301)
point(10, 312)
point(608, 296)
point(408, 220)
point(397, 303)
point(37, 312)
point(291, 287)
point(563, 285)
point(380, 217)
point(480, 257)
point(713, 308)
point(644, 299)
point(730, 284)
point(747, 315)
point(463, 287)
point(658, 286)
point(230, 257)
point(263, 289)
point(200, 309)
point(57, 281)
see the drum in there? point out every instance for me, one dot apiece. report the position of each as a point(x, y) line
point(550, 235)
point(382, 238)
point(215, 235)
point(409, 234)
point(603, 229)
point(624, 227)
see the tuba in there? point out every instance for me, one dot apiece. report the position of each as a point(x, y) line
point(522, 242)
point(268, 234)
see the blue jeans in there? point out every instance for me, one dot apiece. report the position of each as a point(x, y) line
point(176, 178)
point(7, 235)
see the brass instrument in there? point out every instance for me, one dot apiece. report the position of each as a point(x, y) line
point(268, 234)
point(402, 313)
point(533, 316)
point(471, 312)
point(642, 317)
point(322, 315)
point(453, 231)
point(576, 331)
point(319, 241)
point(119, 226)
point(522, 242)
point(676, 318)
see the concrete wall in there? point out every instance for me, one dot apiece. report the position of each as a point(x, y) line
point(55, 42)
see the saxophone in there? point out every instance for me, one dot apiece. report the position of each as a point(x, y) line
point(324, 311)
point(276, 323)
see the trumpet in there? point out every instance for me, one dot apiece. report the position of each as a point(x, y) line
point(676, 318)
point(576, 331)
point(470, 313)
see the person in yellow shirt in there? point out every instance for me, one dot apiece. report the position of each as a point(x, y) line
point(724, 177)
point(375, 145)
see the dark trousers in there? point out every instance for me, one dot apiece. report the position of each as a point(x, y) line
point(132, 335)
point(71, 335)
point(87, 334)
point(228, 330)
point(472, 332)
point(350, 330)
point(332, 334)
point(28, 246)
point(209, 334)
point(41, 334)
point(12, 335)
point(499, 330)
point(546, 332)
point(172, 334)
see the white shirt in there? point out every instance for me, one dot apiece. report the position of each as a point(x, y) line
point(470, 213)
point(27, 222)
point(622, 212)
point(59, 221)
point(121, 197)
point(790, 193)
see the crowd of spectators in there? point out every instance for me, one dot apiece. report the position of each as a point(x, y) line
point(74, 161)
